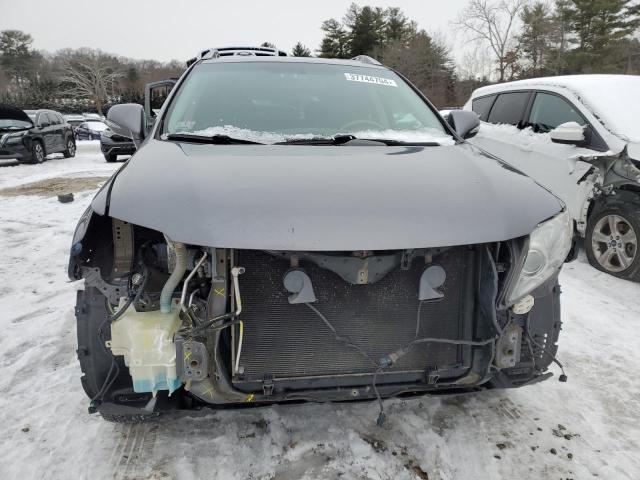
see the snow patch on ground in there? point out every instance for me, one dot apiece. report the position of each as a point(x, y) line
point(582, 429)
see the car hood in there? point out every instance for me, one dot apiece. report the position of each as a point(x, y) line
point(8, 112)
point(346, 198)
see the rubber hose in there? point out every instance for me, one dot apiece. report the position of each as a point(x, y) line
point(178, 272)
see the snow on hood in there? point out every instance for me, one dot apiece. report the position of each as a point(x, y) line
point(420, 135)
point(343, 198)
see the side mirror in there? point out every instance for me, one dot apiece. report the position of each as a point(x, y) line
point(128, 120)
point(569, 133)
point(465, 122)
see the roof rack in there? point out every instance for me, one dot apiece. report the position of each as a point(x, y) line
point(366, 59)
point(240, 51)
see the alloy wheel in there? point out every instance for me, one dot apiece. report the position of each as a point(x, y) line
point(614, 243)
point(71, 148)
point(39, 152)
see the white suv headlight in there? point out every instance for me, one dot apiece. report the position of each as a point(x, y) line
point(549, 245)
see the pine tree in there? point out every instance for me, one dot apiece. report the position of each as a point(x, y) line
point(366, 29)
point(601, 29)
point(17, 57)
point(299, 50)
point(335, 41)
point(398, 26)
point(427, 64)
point(533, 41)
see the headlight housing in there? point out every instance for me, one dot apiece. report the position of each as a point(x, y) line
point(15, 138)
point(549, 245)
point(106, 133)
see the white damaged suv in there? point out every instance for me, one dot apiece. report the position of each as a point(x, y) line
point(580, 137)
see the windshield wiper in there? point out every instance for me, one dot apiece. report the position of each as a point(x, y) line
point(214, 139)
point(346, 139)
point(337, 140)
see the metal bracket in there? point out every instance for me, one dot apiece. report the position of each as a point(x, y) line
point(431, 375)
point(122, 247)
point(191, 360)
point(407, 258)
point(267, 385)
point(93, 278)
point(508, 347)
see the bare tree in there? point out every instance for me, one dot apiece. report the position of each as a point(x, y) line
point(492, 22)
point(90, 74)
point(476, 63)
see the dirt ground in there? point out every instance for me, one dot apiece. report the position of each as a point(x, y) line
point(55, 186)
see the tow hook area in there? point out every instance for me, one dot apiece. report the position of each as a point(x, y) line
point(508, 347)
point(510, 342)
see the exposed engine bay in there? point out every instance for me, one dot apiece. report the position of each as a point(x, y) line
point(220, 325)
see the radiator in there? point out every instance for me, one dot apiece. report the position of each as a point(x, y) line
point(285, 341)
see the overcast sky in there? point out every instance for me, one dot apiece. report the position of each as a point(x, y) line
point(165, 30)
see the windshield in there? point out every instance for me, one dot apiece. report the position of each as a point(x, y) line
point(271, 102)
point(97, 126)
point(14, 124)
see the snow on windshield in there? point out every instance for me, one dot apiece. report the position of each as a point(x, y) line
point(423, 135)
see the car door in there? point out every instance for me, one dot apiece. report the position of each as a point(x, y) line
point(558, 167)
point(47, 130)
point(82, 132)
point(57, 127)
point(155, 94)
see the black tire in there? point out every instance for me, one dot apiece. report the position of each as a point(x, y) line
point(38, 155)
point(615, 252)
point(70, 150)
point(110, 157)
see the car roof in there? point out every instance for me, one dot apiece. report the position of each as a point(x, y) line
point(576, 83)
point(274, 59)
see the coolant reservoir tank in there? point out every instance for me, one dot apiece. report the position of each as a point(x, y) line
point(146, 341)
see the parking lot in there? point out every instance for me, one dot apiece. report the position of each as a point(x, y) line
point(586, 428)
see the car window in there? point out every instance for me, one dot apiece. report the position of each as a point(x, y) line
point(482, 106)
point(549, 111)
point(509, 108)
point(41, 118)
point(53, 118)
point(270, 102)
point(158, 96)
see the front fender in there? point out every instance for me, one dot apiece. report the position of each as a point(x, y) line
point(86, 222)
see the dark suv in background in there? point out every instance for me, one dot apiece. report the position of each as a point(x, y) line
point(113, 145)
point(30, 135)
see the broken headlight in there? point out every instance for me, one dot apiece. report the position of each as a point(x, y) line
point(549, 245)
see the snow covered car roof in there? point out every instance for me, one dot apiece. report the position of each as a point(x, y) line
point(609, 97)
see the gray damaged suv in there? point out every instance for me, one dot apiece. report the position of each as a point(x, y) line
point(310, 229)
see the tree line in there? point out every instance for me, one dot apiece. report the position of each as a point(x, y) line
point(503, 40)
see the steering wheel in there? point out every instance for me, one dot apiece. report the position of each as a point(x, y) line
point(347, 126)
